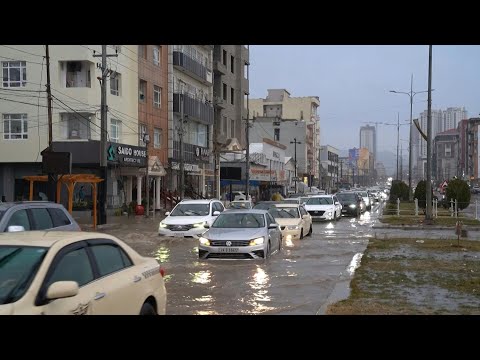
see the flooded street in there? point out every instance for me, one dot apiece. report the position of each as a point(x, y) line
point(298, 280)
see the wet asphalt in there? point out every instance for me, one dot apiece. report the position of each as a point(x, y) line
point(301, 279)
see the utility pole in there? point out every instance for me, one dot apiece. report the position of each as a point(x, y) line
point(428, 212)
point(146, 140)
point(295, 142)
point(401, 162)
point(51, 177)
point(247, 136)
point(102, 186)
point(398, 137)
point(182, 161)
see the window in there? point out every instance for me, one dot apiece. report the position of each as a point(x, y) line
point(202, 135)
point(224, 92)
point(232, 128)
point(73, 266)
point(15, 126)
point(141, 133)
point(14, 73)
point(301, 114)
point(78, 74)
point(276, 134)
point(41, 219)
point(75, 125)
point(157, 138)
point(115, 84)
point(232, 96)
point(19, 218)
point(115, 130)
point(109, 259)
point(224, 125)
point(232, 64)
point(142, 90)
point(224, 57)
point(156, 55)
point(142, 51)
point(59, 218)
point(157, 96)
point(448, 150)
point(245, 71)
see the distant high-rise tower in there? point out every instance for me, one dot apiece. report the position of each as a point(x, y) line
point(368, 139)
point(452, 117)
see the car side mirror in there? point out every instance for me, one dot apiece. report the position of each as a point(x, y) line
point(273, 226)
point(206, 226)
point(15, 228)
point(62, 289)
point(167, 213)
point(337, 203)
point(305, 216)
point(216, 213)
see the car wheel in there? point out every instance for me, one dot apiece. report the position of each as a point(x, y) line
point(310, 231)
point(280, 243)
point(148, 309)
point(267, 251)
point(301, 234)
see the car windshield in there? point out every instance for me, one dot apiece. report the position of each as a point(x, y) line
point(346, 197)
point(263, 206)
point(284, 212)
point(290, 201)
point(238, 221)
point(239, 205)
point(190, 210)
point(18, 266)
point(320, 201)
point(304, 199)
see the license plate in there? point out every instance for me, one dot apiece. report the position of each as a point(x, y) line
point(228, 249)
point(178, 234)
point(344, 210)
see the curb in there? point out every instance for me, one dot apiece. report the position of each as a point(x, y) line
point(424, 227)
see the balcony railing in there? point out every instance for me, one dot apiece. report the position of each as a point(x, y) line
point(194, 108)
point(192, 66)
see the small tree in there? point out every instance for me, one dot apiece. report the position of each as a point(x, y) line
point(399, 190)
point(421, 194)
point(458, 190)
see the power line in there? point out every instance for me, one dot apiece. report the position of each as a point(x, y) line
point(86, 47)
point(12, 59)
point(38, 111)
point(23, 51)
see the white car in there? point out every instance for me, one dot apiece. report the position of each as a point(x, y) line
point(77, 273)
point(188, 218)
point(324, 207)
point(294, 220)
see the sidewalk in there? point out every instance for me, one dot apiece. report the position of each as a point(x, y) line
point(85, 221)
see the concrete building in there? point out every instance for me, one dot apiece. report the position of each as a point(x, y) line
point(452, 117)
point(75, 118)
point(368, 139)
point(190, 109)
point(329, 160)
point(445, 155)
point(230, 91)
point(283, 118)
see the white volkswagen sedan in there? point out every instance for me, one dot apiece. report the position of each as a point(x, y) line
point(294, 220)
point(77, 273)
point(189, 217)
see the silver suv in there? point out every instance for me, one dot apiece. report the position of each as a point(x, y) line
point(35, 215)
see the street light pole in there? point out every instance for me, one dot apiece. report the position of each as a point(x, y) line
point(146, 140)
point(428, 212)
point(411, 94)
point(295, 142)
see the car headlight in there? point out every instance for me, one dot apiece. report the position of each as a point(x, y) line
point(352, 206)
point(199, 224)
point(204, 241)
point(162, 225)
point(257, 241)
point(329, 213)
point(292, 227)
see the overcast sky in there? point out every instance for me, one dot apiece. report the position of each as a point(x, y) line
point(353, 84)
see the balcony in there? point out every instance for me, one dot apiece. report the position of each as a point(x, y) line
point(219, 68)
point(218, 102)
point(192, 67)
point(245, 52)
point(245, 87)
point(195, 109)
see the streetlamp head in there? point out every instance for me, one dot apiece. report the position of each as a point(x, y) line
point(393, 91)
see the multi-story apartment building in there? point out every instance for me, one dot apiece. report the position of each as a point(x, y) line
point(368, 139)
point(191, 115)
point(76, 124)
point(452, 117)
point(230, 92)
point(445, 155)
point(329, 160)
point(284, 118)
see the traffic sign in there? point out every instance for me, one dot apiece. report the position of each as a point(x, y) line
point(295, 178)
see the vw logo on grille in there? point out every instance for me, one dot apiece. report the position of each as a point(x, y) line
point(228, 243)
point(179, 226)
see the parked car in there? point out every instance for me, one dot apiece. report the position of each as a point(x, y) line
point(189, 217)
point(295, 222)
point(35, 215)
point(324, 207)
point(77, 273)
point(241, 234)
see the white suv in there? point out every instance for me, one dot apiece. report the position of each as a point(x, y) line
point(188, 218)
